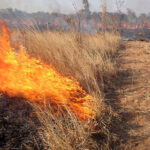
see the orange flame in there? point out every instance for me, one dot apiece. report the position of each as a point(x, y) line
point(24, 76)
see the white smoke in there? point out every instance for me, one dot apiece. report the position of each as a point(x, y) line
point(62, 6)
point(66, 6)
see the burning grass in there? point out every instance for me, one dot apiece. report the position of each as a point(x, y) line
point(65, 76)
point(90, 61)
point(22, 75)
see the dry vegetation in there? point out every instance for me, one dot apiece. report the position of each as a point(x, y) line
point(90, 61)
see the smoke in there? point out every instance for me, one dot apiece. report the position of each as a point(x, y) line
point(139, 6)
point(86, 4)
point(61, 6)
point(66, 6)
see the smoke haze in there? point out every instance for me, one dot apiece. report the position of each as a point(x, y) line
point(66, 6)
point(86, 4)
point(62, 6)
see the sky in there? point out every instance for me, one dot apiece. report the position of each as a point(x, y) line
point(70, 6)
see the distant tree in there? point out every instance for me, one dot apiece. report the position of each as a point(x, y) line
point(119, 5)
point(104, 16)
point(131, 15)
point(142, 18)
point(9, 10)
point(86, 4)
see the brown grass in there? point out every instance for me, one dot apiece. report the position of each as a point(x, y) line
point(90, 62)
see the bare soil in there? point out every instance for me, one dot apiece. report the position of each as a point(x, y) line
point(130, 97)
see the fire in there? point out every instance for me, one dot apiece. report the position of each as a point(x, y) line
point(24, 76)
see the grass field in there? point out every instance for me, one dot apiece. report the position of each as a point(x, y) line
point(77, 69)
point(71, 91)
point(91, 60)
point(108, 84)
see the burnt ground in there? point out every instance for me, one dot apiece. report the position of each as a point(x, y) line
point(130, 98)
point(17, 127)
point(136, 34)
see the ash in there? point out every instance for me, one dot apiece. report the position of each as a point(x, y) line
point(18, 131)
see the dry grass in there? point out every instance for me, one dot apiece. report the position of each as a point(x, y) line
point(89, 61)
point(65, 132)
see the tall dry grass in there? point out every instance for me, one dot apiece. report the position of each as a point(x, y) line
point(89, 61)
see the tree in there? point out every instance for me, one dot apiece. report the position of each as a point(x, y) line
point(119, 5)
point(86, 4)
point(131, 15)
point(104, 16)
point(142, 18)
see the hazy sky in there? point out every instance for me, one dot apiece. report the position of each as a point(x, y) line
point(66, 6)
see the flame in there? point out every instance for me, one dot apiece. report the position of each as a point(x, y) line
point(32, 79)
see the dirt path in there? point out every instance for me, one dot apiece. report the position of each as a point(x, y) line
point(134, 94)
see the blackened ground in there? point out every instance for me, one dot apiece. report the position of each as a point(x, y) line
point(18, 131)
point(136, 34)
